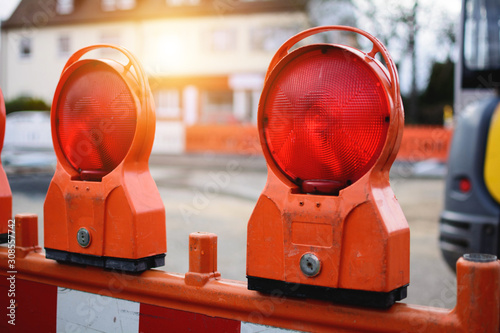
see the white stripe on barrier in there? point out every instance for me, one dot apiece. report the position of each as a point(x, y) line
point(256, 328)
point(79, 311)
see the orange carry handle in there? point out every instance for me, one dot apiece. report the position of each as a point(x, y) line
point(378, 47)
point(133, 62)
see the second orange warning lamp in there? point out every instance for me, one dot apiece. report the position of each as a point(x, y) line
point(327, 224)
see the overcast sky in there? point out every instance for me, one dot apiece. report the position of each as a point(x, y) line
point(6, 8)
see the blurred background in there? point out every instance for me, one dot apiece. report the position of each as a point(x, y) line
point(206, 62)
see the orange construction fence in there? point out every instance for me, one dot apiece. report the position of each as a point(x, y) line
point(425, 142)
point(419, 142)
point(224, 139)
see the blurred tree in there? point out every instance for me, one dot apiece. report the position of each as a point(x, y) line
point(333, 12)
point(440, 86)
point(438, 94)
point(25, 103)
point(398, 24)
point(410, 17)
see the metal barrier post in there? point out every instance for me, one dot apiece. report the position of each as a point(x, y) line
point(478, 292)
point(26, 234)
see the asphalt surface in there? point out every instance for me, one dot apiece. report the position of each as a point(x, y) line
point(218, 193)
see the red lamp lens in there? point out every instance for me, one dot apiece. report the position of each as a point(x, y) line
point(325, 118)
point(464, 185)
point(95, 120)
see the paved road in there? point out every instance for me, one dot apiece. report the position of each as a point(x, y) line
point(214, 194)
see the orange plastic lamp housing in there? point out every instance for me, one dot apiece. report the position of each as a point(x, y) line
point(325, 117)
point(103, 207)
point(96, 120)
point(5, 193)
point(327, 224)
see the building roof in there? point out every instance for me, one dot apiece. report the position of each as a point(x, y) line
point(32, 14)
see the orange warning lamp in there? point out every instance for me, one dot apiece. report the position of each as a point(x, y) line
point(5, 193)
point(327, 224)
point(103, 207)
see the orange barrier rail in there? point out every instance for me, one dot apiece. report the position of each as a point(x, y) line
point(201, 292)
point(419, 142)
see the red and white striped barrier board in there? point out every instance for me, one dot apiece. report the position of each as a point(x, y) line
point(45, 308)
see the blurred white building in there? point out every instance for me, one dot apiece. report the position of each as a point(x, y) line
point(206, 60)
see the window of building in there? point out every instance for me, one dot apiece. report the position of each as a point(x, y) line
point(222, 40)
point(217, 107)
point(270, 38)
point(109, 37)
point(64, 7)
point(167, 103)
point(243, 105)
point(108, 5)
point(112, 5)
point(126, 4)
point(25, 47)
point(63, 46)
point(482, 35)
point(175, 3)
